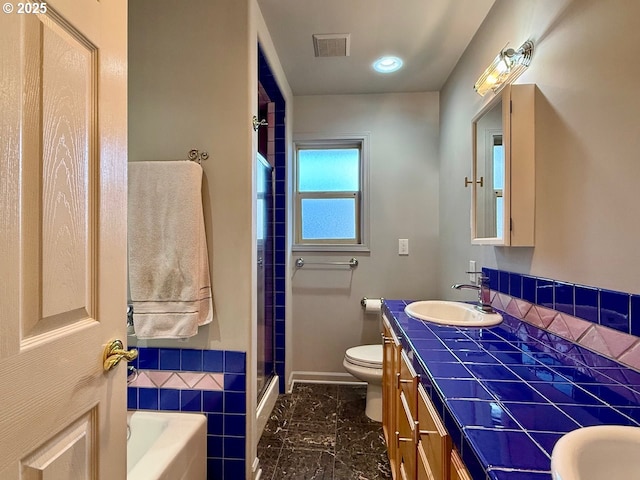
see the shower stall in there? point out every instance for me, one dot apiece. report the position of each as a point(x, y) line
point(265, 268)
point(272, 254)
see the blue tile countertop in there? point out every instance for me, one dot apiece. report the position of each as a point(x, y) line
point(508, 393)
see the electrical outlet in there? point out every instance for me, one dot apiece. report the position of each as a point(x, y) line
point(473, 277)
point(403, 246)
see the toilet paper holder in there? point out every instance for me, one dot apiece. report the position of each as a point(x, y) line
point(363, 302)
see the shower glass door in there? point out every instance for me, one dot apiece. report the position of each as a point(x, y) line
point(265, 268)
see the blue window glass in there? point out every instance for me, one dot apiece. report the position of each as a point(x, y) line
point(328, 193)
point(498, 167)
point(329, 170)
point(498, 187)
point(499, 217)
point(328, 218)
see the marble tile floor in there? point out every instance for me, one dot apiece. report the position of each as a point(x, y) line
point(320, 432)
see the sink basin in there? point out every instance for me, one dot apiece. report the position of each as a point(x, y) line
point(452, 313)
point(597, 453)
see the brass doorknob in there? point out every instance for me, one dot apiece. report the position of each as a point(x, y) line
point(114, 352)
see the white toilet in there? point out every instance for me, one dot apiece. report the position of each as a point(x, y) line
point(365, 363)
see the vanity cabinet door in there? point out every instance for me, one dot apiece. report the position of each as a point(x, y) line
point(435, 442)
point(390, 392)
point(406, 440)
point(458, 470)
point(423, 470)
point(408, 383)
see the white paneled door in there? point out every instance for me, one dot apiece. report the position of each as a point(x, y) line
point(63, 153)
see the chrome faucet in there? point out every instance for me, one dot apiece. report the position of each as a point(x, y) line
point(484, 293)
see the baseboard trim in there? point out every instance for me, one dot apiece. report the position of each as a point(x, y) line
point(323, 377)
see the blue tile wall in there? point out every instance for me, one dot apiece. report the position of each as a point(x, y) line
point(617, 310)
point(269, 83)
point(225, 410)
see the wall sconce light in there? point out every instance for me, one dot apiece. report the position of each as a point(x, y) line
point(506, 67)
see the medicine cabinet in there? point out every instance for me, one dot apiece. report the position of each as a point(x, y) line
point(503, 181)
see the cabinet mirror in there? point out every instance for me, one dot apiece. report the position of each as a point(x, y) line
point(489, 176)
point(503, 169)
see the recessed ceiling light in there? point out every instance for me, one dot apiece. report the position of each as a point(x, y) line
point(387, 64)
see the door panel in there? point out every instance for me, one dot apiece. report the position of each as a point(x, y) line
point(63, 240)
point(67, 456)
point(59, 179)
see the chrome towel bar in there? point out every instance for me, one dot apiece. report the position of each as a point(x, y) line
point(352, 263)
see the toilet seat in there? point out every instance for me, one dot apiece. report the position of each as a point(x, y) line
point(365, 356)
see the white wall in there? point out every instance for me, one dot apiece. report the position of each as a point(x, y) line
point(588, 134)
point(327, 316)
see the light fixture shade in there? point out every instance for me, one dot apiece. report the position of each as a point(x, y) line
point(505, 68)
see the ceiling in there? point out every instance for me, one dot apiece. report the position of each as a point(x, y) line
point(429, 35)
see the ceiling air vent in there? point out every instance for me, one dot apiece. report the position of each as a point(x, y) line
point(331, 45)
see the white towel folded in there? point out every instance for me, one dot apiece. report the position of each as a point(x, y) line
point(169, 279)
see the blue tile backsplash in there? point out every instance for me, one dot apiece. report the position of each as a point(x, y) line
point(225, 409)
point(604, 307)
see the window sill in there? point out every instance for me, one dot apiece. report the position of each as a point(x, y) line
point(331, 248)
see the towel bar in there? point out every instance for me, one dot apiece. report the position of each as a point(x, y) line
point(352, 263)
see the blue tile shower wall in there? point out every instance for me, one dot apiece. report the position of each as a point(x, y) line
point(225, 409)
point(270, 85)
point(617, 310)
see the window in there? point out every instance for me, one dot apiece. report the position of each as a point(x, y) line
point(330, 201)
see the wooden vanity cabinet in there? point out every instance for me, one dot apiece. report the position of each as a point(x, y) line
point(418, 444)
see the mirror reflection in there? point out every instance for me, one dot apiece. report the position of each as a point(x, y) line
point(489, 174)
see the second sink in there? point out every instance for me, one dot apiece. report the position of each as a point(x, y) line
point(597, 453)
point(452, 313)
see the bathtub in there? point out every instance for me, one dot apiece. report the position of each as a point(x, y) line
point(166, 446)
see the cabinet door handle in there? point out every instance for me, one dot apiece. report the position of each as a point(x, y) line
point(413, 380)
point(401, 380)
point(386, 340)
point(402, 439)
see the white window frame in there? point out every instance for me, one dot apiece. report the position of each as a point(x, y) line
point(361, 140)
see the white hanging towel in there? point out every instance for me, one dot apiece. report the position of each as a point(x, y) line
point(169, 281)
